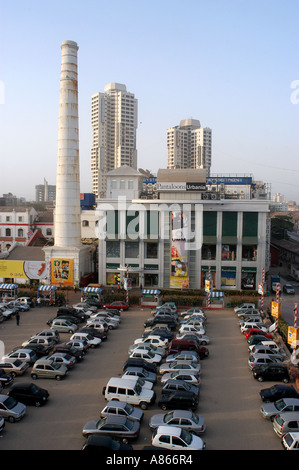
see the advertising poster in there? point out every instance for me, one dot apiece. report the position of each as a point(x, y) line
point(62, 271)
point(23, 269)
point(179, 277)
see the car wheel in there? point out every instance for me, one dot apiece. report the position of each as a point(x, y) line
point(58, 377)
point(163, 407)
point(204, 343)
point(285, 380)
point(143, 405)
point(11, 419)
point(37, 404)
point(260, 378)
point(125, 440)
point(34, 376)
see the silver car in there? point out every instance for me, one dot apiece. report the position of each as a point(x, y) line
point(185, 419)
point(183, 356)
point(188, 377)
point(63, 359)
point(185, 366)
point(260, 359)
point(147, 347)
point(121, 408)
point(11, 409)
point(269, 410)
point(14, 367)
point(63, 326)
point(119, 427)
point(45, 369)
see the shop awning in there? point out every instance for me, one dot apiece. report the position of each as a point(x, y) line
point(47, 288)
point(95, 290)
point(150, 291)
point(8, 286)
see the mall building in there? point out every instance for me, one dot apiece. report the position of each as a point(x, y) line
point(187, 233)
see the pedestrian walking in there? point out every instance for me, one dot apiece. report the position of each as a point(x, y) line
point(17, 318)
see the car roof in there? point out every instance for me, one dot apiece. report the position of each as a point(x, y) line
point(116, 404)
point(170, 430)
point(115, 419)
point(290, 415)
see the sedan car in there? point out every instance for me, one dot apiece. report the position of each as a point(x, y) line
point(185, 419)
point(183, 356)
point(278, 391)
point(201, 339)
point(186, 328)
point(148, 356)
point(91, 340)
point(269, 410)
point(120, 427)
point(117, 305)
point(155, 340)
point(11, 409)
point(142, 373)
point(121, 408)
point(14, 367)
point(29, 393)
point(184, 366)
point(256, 331)
point(288, 289)
point(146, 347)
point(175, 438)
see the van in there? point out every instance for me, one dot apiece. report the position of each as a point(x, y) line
point(286, 422)
point(129, 391)
point(290, 441)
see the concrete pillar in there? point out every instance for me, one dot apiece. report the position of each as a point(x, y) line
point(67, 211)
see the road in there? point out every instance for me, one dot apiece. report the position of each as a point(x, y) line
point(229, 397)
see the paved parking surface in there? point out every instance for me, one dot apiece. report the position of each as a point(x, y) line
point(229, 398)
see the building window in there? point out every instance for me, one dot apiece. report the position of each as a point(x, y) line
point(113, 184)
point(122, 184)
point(228, 252)
point(49, 232)
point(151, 250)
point(20, 232)
point(208, 251)
point(85, 223)
point(132, 249)
point(113, 249)
point(249, 252)
point(130, 184)
point(8, 232)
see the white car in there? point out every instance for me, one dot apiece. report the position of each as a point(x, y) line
point(155, 340)
point(182, 366)
point(175, 438)
point(92, 341)
point(267, 344)
point(7, 312)
point(189, 377)
point(146, 347)
point(192, 310)
point(98, 325)
point(149, 356)
point(194, 322)
point(248, 325)
point(245, 305)
point(185, 328)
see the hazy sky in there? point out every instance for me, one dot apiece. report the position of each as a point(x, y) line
point(229, 63)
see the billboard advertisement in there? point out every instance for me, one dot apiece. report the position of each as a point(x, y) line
point(179, 276)
point(19, 269)
point(62, 271)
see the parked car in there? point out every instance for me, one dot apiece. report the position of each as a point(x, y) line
point(70, 318)
point(45, 369)
point(11, 409)
point(192, 310)
point(171, 305)
point(257, 331)
point(92, 341)
point(266, 344)
point(80, 345)
point(188, 377)
point(202, 339)
point(269, 410)
point(244, 313)
point(48, 342)
point(148, 356)
point(62, 311)
point(278, 391)
point(257, 339)
point(49, 333)
point(62, 358)
point(185, 419)
point(26, 301)
point(64, 326)
point(260, 359)
point(118, 305)
point(96, 442)
point(147, 347)
point(288, 289)
point(130, 391)
point(96, 324)
point(286, 422)
point(121, 408)
point(136, 362)
point(16, 304)
point(120, 427)
point(244, 305)
point(164, 332)
point(271, 372)
point(185, 328)
point(261, 349)
point(155, 340)
point(290, 441)
point(168, 320)
point(179, 400)
point(103, 335)
point(14, 367)
point(175, 438)
point(29, 393)
point(185, 366)
point(140, 372)
point(25, 355)
point(178, 345)
point(5, 378)
point(173, 385)
point(183, 356)
point(252, 324)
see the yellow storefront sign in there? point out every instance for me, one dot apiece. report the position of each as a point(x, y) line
point(19, 269)
point(62, 271)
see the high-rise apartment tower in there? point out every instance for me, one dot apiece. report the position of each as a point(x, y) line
point(189, 146)
point(114, 126)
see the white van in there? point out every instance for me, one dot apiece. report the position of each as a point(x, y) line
point(129, 391)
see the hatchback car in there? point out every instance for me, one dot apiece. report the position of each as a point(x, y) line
point(176, 438)
point(63, 358)
point(23, 354)
point(148, 356)
point(271, 372)
point(96, 442)
point(257, 331)
point(14, 367)
point(260, 349)
point(286, 422)
point(260, 359)
point(173, 385)
point(200, 338)
point(278, 391)
point(155, 340)
point(147, 347)
point(136, 362)
point(185, 419)
point(121, 408)
point(51, 334)
point(29, 393)
point(288, 289)
point(290, 441)
point(64, 326)
point(179, 400)
point(45, 369)
point(183, 356)
point(5, 378)
point(92, 341)
point(120, 427)
point(187, 377)
point(269, 410)
point(11, 409)
point(245, 305)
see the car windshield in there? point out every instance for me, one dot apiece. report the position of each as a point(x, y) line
point(129, 423)
point(138, 388)
point(186, 436)
point(273, 390)
point(34, 389)
point(17, 363)
point(10, 403)
point(280, 404)
point(129, 408)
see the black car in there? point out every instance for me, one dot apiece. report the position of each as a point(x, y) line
point(161, 319)
point(68, 349)
point(174, 385)
point(104, 444)
point(271, 372)
point(179, 400)
point(72, 312)
point(277, 392)
point(29, 394)
point(5, 378)
point(40, 349)
point(135, 362)
point(70, 318)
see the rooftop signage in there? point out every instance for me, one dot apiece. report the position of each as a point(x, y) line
point(181, 186)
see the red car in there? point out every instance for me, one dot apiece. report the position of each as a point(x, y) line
point(117, 305)
point(256, 331)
